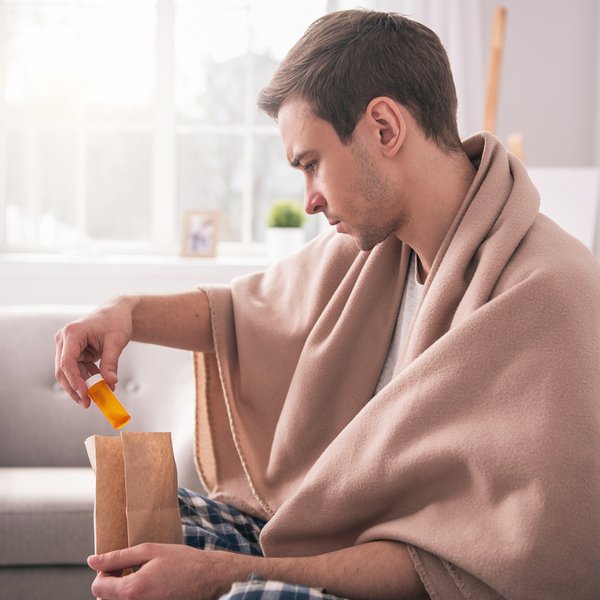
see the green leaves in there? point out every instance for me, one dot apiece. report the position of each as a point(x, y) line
point(286, 213)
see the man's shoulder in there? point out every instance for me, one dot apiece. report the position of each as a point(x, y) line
point(552, 260)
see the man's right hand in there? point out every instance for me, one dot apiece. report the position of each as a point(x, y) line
point(176, 320)
point(101, 335)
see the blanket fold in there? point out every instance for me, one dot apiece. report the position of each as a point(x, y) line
point(482, 453)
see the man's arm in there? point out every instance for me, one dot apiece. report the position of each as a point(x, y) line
point(377, 570)
point(175, 320)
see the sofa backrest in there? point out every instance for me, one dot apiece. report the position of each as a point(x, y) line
point(41, 426)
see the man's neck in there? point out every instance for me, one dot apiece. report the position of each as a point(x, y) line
point(437, 187)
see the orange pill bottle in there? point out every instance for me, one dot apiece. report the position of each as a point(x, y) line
point(107, 402)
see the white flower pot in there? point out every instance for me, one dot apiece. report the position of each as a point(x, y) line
point(282, 241)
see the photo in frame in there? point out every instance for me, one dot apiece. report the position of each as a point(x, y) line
point(200, 233)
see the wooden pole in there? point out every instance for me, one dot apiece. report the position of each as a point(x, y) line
point(516, 146)
point(495, 61)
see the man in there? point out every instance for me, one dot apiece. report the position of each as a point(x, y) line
point(408, 409)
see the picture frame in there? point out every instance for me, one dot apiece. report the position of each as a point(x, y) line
point(200, 233)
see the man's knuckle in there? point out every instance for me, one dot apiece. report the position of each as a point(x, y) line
point(96, 587)
point(62, 364)
point(115, 556)
point(67, 329)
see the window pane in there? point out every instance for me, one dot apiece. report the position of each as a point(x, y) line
point(208, 36)
point(118, 187)
point(211, 178)
point(58, 174)
point(42, 66)
point(42, 187)
point(18, 179)
point(74, 67)
point(65, 55)
point(22, 223)
point(118, 59)
point(226, 52)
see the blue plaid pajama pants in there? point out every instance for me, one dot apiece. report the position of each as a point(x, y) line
point(210, 525)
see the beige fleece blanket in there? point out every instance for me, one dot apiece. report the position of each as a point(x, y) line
point(482, 454)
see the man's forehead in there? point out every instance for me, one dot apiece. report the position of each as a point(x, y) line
point(296, 107)
point(301, 130)
point(296, 121)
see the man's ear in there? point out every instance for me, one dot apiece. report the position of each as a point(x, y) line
point(384, 115)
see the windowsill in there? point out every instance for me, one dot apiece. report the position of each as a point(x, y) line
point(228, 253)
point(84, 279)
point(132, 259)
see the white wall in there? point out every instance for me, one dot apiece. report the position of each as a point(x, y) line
point(549, 79)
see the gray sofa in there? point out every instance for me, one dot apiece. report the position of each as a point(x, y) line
point(46, 484)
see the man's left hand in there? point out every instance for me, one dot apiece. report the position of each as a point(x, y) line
point(163, 571)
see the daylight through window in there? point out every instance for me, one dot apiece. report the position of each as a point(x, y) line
point(117, 116)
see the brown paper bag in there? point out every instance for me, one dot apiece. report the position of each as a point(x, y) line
point(136, 490)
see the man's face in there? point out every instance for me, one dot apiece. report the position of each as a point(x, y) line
point(343, 182)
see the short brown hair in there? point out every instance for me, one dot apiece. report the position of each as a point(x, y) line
point(347, 58)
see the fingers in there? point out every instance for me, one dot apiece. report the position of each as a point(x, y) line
point(107, 583)
point(90, 368)
point(161, 571)
point(119, 560)
point(108, 586)
point(110, 562)
point(110, 566)
point(67, 366)
point(101, 335)
point(110, 359)
point(83, 343)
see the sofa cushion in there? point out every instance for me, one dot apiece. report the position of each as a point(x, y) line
point(46, 515)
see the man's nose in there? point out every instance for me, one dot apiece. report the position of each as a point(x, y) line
point(313, 203)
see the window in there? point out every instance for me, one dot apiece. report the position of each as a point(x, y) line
point(117, 116)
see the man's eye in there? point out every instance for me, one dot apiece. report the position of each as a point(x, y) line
point(310, 166)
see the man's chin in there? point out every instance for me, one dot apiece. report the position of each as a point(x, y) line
point(364, 245)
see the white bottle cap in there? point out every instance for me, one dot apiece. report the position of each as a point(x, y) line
point(93, 380)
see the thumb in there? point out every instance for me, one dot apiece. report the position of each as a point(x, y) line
point(118, 560)
point(109, 362)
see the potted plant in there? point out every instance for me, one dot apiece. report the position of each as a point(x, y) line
point(284, 228)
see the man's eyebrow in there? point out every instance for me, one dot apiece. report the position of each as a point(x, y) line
point(295, 162)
